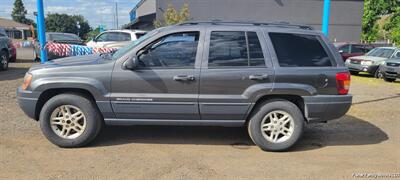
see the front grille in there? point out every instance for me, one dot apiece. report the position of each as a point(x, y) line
point(393, 64)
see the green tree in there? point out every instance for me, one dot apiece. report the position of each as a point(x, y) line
point(172, 16)
point(373, 10)
point(393, 26)
point(67, 24)
point(19, 13)
point(93, 33)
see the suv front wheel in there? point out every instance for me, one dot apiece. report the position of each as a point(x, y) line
point(276, 125)
point(70, 120)
point(3, 60)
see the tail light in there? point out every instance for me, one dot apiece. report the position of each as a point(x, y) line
point(343, 82)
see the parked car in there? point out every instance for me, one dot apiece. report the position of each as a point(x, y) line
point(391, 70)
point(5, 50)
point(64, 38)
point(272, 78)
point(372, 60)
point(347, 49)
point(13, 52)
point(115, 38)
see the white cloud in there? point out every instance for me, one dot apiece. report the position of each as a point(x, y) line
point(95, 11)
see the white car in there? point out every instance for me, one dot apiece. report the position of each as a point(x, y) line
point(115, 38)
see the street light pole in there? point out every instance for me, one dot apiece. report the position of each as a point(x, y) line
point(325, 17)
point(41, 29)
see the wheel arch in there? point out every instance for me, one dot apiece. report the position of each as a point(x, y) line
point(49, 93)
point(295, 99)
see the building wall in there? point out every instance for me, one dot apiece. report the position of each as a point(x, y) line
point(147, 7)
point(345, 22)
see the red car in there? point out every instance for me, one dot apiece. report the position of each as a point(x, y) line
point(13, 52)
point(347, 49)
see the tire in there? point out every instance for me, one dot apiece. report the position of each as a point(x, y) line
point(354, 72)
point(378, 73)
point(3, 60)
point(259, 118)
point(389, 79)
point(85, 132)
point(13, 59)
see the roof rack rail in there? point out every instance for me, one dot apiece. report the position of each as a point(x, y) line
point(274, 24)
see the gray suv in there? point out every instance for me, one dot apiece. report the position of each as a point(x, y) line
point(270, 78)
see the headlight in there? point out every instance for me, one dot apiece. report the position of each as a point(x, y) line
point(366, 63)
point(27, 81)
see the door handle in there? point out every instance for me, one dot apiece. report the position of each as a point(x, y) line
point(184, 78)
point(258, 77)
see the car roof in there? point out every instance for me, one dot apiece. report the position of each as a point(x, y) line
point(394, 48)
point(278, 27)
point(246, 23)
point(126, 30)
point(60, 33)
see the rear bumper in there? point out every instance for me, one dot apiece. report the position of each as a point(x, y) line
point(27, 101)
point(323, 108)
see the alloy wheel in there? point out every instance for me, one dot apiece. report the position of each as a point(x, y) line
point(68, 121)
point(277, 126)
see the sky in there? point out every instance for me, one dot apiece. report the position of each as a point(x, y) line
point(95, 11)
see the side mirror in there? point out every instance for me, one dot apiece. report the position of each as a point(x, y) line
point(131, 64)
point(341, 51)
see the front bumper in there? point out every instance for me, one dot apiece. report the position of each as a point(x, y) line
point(391, 72)
point(27, 101)
point(322, 108)
point(362, 68)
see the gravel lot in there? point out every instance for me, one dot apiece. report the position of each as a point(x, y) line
point(366, 140)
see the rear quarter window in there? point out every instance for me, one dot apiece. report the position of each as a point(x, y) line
point(299, 50)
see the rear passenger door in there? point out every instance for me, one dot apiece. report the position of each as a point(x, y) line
point(233, 62)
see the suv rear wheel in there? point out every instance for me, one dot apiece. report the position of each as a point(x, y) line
point(276, 125)
point(3, 60)
point(70, 120)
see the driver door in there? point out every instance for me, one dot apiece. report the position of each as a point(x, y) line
point(165, 85)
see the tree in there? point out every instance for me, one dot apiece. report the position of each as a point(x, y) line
point(67, 24)
point(93, 33)
point(172, 16)
point(84, 27)
point(393, 26)
point(19, 13)
point(373, 11)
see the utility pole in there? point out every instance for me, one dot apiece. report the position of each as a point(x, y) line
point(116, 13)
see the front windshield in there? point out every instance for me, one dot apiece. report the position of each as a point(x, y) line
point(132, 45)
point(381, 52)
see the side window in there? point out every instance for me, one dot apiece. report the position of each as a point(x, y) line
point(299, 50)
point(345, 49)
point(103, 37)
point(357, 49)
point(255, 50)
point(174, 50)
point(235, 48)
point(121, 36)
